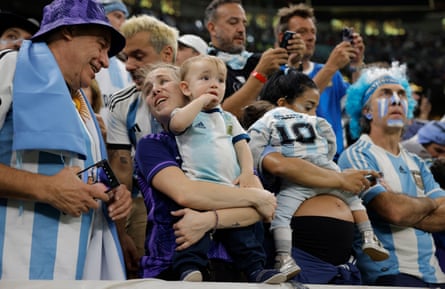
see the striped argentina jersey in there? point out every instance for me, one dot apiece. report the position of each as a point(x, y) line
point(207, 147)
point(37, 241)
point(128, 119)
point(293, 134)
point(412, 251)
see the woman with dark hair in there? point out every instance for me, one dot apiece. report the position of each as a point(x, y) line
point(292, 129)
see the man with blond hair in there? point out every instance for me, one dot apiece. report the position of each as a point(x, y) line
point(148, 41)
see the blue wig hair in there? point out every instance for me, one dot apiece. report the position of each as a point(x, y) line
point(370, 79)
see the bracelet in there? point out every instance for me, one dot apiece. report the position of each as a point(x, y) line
point(261, 77)
point(216, 224)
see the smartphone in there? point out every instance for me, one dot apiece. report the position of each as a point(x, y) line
point(346, 34)
point(371, 179)
point(101, 169)
point(287, 35)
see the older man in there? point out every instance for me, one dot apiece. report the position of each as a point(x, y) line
point(46, 126)
point(406, 205)
point(247, 72)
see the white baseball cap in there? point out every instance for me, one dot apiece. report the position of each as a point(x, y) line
point(194, 42)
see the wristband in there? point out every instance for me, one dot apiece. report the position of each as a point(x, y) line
point(261, 77)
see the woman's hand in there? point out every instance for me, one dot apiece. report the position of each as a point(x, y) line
point(355, 181)
point(192, 226)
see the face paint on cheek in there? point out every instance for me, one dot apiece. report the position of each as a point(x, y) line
point(383, 107)
point(405, 107)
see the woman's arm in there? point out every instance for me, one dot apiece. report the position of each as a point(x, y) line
point(307, 174)
point(193, 224)
point(202, 195)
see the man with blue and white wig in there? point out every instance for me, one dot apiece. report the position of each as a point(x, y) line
point(406, 204)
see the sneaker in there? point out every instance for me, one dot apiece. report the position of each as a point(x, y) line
point(286, 265)
point(268, 276)
point(191, 275)
point(373, 248)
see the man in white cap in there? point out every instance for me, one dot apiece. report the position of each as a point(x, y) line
point(190, 45)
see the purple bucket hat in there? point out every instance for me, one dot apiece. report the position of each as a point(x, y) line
point(77, 12)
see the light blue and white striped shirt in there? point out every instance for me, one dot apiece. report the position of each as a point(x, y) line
point(412, 251)
point(37, 241)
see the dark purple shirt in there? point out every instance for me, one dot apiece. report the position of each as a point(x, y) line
point(155, 152)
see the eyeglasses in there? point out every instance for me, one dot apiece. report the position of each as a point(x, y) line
point(100, 172)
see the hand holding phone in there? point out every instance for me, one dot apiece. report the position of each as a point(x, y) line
point(346, 34)
point(101, 172)
point(285, 40)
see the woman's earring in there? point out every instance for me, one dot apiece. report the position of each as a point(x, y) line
point(368, 116)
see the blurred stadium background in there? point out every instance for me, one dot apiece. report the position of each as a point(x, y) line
point(410, 31)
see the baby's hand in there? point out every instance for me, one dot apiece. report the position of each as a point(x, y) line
point(248, 181)
point(209, 100)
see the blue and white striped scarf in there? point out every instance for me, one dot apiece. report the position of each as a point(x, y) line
point(43, 113)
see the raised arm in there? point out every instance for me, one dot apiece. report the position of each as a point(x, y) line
point(270, 61)
point(183, 117)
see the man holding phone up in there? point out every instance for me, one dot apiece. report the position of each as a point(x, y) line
point(246, 71)
point(300, 19)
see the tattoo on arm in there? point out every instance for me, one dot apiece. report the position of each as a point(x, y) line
point(123, 160)
point(235, 225)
